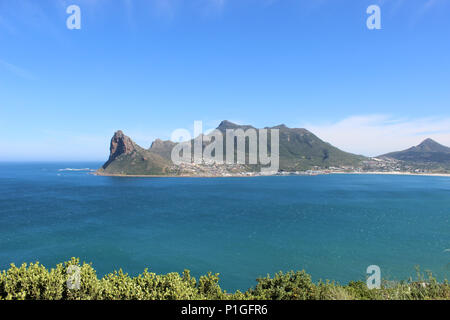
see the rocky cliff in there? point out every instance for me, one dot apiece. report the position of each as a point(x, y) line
point(128, 158)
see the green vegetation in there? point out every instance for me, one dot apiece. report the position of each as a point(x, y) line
point(35, 282)
point(138, 162)
point(302, 150)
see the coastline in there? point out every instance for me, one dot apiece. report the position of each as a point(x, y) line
point(171, 176)
point(447, 175)
point(396, 173)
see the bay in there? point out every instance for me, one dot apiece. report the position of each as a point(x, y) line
point(332, 226)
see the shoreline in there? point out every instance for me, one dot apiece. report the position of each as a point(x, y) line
point(395, 173)
point(447, 175)
point(170, 176)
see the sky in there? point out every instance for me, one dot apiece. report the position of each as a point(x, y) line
point(148, 67)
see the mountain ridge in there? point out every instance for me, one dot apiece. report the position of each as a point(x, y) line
point(299, 150)
point(428, 151)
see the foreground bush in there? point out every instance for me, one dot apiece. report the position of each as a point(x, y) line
point(35, 282)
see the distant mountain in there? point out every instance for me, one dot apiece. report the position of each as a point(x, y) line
point(163, 148)
point(429, 151)
point(127, 158)
point(302, 150)
point(299, 150)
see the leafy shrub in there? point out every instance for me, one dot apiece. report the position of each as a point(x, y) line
point(35, 282)
point(289, 286)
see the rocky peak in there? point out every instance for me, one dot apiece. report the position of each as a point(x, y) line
point(429, 145)
point(280, 126)
point(120, 144)
point(224, 125)
point(158, 143)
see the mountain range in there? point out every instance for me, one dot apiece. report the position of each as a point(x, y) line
point(299, 150)
point(429, 151)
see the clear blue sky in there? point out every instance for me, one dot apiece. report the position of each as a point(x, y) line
point(149, 67)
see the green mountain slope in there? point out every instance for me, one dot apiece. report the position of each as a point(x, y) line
point(302, 150)
point(428, 152)
point(299, 150)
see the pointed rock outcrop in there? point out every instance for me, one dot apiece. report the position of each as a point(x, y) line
point(120, 144)
point(128, 158)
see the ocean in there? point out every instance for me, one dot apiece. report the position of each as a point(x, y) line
point(332, 226)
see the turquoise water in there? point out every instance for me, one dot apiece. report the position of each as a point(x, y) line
point(333, 226)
